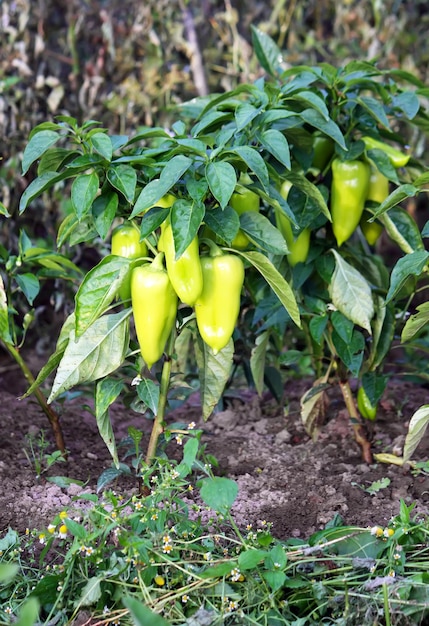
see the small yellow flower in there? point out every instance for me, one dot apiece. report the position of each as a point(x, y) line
point(191, 425)
point(167, 548)
point(63, 515)
point(138, 506)
point(42, 538)
point(62, 531)
point(179, 439)
point(159, 580)
point(51, 528)
point(377, 531)
point(388, 532)
point(8, 610)
point(185, 598)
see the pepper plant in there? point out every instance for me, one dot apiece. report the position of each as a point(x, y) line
point(242, 183)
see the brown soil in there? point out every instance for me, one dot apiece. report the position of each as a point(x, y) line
point(283, 476)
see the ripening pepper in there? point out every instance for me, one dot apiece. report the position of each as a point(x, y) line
point(154, 303)
point(126, 243)
point(366, 409)
point(323, 148)
point(242, 201)
point(218, 306)
point(299, 246)
point(185, 272)
point(349, 189)
point(378, 191)
point(397, 157)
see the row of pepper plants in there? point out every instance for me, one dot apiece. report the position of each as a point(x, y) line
point(251, 222)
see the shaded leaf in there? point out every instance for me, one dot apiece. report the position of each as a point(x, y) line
point(416, 430)
point(214, 372)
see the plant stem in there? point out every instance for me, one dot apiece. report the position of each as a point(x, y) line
point(356, 422)
point(48, 411)
point(386, 604)
point(158, 425)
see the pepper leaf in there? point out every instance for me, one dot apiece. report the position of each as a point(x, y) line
point(222, 179)
point(214, 373)
point(99, 351)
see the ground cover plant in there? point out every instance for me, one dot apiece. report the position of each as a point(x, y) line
point(241, 179)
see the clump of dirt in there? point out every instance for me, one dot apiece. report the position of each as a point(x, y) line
point(283, 476)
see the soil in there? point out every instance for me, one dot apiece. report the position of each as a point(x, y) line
point(284, 476)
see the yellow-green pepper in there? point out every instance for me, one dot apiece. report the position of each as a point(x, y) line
point(397, 157)
point(242, 201)
point(218, 306)
point(126, 243)
point(154, 304)
point(299, 246)
point(185, 272)
point(366, 409)
point(349, 190)
point(378, 191)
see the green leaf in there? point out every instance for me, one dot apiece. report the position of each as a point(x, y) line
point(254, 162)
point(104, 210)
point(375, 109)
point(276, 281)
point(38, 144)
point(416, 430)
point(262, 232)
point(250, 558)
point(76, 529)
point(98, 289)
point(244, 114)
point(55, 358)
point(416, 322)
point(274, 579)
point(148, 392)
point(351, 294)
point(374, 385)
point(151, 220)
point(402, 229)
point(225, 223)
point(383, 326)
point(29, 285)
point(172, 172)
point(106, 392)
point(329, 127)
point(384, 164)
point(411, 264)
point(267, 51)
point(219, 493)
point(8, 571)
point(398, 195)
point(276, 144)
point(186, 218)
point(39, 185)
point(219, 570)
point(350, 352)
point(3, 210)
point(83, 192)
point(4, 315)
point(257, 360)
point(103, 145)
point(311, 191)
point(214, 372)
point(142, 615)
point(91, 592)
point(124, 179)
point(100, 350)
point(222, 180)
point(315, 101)
point(29, 613)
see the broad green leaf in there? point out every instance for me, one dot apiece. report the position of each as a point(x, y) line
point(267, 51)
point(250, 558)
point(276, 281)
point(151, 220)
point(411, 264)
point(52, 260)
point(74, 231)
point(350, 352)
point(311, 191)
point(172, 172)
point(98, 289)
point(39, 185)
point(104, 211)
point(124, 179)
point(416, 322)
point(276, 144)
point(383, 163)
point(214, 372)
point(103, 145)
point(38, 144)
point(54, 159)
point(186, 218)
point(219, 570)
point(375, 109)
point(99, 351)
point(374, 385)
point(4, 315)
point(28, 613)
point(343, 326)
point(83, 192)
point(148, 392)
point(8, 572)
point(262, 232)
point(315, 101)
point(351, 294)
point(222, 180)
point(141, 615)
point(219, 493)
point(329, 127)
point(225, 223)
point(416, 430)
point(244, 114)
point(106, 392)
point(29, 285)
point(91, 592)
point(55, 358)
point(398, 195)
point(10, 539)
point(402, 229)
point(76, 529)
point(274, 579)
point(383, 327)
point(257, 360)
point(254, 162)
